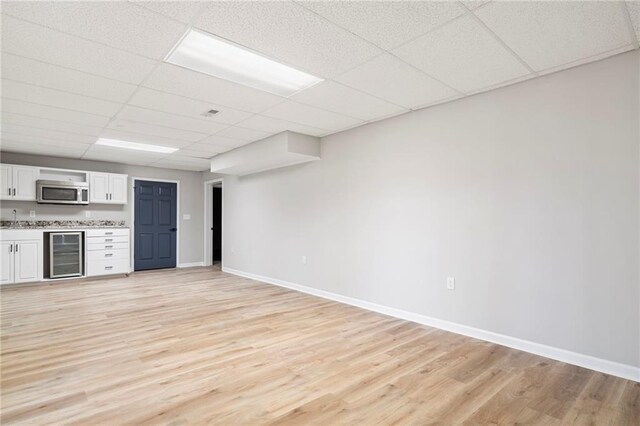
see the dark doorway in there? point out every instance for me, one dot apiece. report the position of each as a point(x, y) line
point(216, 225)
point(155, 225)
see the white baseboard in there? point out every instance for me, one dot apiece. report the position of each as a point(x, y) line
point(609, 367)
point(190, 265)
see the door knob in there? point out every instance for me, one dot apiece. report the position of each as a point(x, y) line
point(173, 229)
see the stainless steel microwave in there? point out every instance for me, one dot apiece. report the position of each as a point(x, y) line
point(62, 192)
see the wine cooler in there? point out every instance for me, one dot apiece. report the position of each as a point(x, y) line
point(65, 254)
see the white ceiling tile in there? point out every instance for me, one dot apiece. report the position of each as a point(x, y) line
point(42, 111)
point(390, 78)
point(140, 138)
point(275, 125)
point(548, 34)
point(463, 55)
point(51, 97)
point(41, 74)
point(221, 141)
point(634, 13)
point(180, 81)
point(173, 104)
point(118, 155)
point(338, 98)
point(155, 130)
point(118, 24)
point(164, 119)
point(188, 152)
point(44, 123)
point(49, 150)
point(33, 41)
point(243, 134)
point(474, 4)
point(310, 116)
point(183, 11)
point(45, 140)
point(386, 23)
point(587, 60)
point(289, 33)
point(175, 161)
point(207, 149)
point(46, 133)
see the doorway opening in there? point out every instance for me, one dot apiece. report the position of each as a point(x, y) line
point(213, 213)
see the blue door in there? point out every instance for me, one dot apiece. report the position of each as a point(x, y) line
point(155, 225)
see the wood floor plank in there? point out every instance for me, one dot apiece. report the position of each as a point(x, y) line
point(198, 346)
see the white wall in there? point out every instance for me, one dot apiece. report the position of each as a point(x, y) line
point(528, 195)
point(191, 199)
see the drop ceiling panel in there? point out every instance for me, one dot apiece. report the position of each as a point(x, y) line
point(33, 41)
point(173, 104)
point(275, 125)
point(44, 123)
point(193, 153)
point(8, 145)
point(634, 12)
point(207, 148)
point(41, 74)
point(183, 11)
point(548, 34)
point(164, 119)
point(140, 138)
point(248, 135)
point(474, 4)
point(48, 140)
point(386, 23)
point(288, 32)
point(218, 141)
point(46, 133)
point(118, 24)
point(195, 85)
point(155, 130)
point(51, 97)
point(53, 113)
point(311, 116)
point(463, 55)
point(183, 163)
point(390, 78)
point(338, 98)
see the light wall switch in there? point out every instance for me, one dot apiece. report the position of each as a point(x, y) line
point(32, 213)
point(87, 213)
point(186, 216)
point(451, 283)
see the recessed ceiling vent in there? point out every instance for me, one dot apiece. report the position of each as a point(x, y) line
point(210, 113)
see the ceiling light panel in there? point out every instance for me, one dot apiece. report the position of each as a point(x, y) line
point(211, 55)
point(115, 143)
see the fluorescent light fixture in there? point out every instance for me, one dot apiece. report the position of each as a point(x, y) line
point(137, 146)
point(211, 55)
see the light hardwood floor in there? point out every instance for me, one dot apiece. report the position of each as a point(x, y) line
point(199, 346)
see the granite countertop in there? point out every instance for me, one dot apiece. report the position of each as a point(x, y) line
point(57, 224)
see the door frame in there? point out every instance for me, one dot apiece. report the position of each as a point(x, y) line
point(206, 253)
point(132, 201)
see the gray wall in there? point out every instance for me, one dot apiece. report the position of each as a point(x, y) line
point(191, 196)
point(528, 195)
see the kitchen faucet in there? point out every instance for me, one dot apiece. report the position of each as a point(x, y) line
point(15, 218)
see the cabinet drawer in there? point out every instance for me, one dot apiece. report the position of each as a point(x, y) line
point(105, 267)
point(108, 239)
point(107, 254)
point(107, 232)
point(107, 246)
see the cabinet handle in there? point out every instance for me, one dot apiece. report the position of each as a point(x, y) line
point(10, 248)
point(108, 254)
point(9, 192)
point(108, 233)
point(108, 246)
point(14, 192)
point(16, 247)
point(108, 267)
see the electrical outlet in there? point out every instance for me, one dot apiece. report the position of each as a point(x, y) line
point(186, 216)
point(451, 283)
point(32, 213)
point(304, 260)
point(87, 213)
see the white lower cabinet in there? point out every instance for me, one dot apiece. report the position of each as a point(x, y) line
point(20, 257)
point(108, 251)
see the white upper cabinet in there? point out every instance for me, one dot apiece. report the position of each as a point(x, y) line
point(18, 182)
point(107, 188)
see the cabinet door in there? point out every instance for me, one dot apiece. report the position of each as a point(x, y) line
point(98, 187)
point(24, 183)
point(6, 185)
point(27, 261)
point(118, 189)
point(6, 262)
